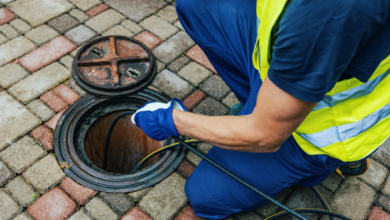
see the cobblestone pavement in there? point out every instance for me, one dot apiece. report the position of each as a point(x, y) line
point(38, 40)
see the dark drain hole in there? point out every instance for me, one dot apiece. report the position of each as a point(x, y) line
point(128, 144)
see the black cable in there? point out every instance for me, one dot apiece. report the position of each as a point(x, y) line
point(140, 164)
point(309, 210)
point(106, 145)
point(294, 212)
point(322, 199)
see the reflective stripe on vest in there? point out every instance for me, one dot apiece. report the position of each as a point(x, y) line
point(353, 119)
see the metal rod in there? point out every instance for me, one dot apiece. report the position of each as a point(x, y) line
point(296, 214)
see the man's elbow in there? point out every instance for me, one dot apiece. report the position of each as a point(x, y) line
point(267, 145)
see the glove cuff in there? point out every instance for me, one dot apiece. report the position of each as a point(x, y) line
point(175, 104)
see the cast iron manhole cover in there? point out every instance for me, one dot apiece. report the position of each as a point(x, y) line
point(113, 66)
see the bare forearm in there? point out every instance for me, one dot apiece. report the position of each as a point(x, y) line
point(229, 132)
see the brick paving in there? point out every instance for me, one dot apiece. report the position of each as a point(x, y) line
point(38, 40)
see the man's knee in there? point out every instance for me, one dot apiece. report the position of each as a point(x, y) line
point(184, 6)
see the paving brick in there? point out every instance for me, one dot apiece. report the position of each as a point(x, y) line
point(168, 14)
point(160, 66)
point(63, 23)
point(80, 215)
point(79, 15)
point(140, 8)
point(85, 4)
point(196, 74)
point(185, 169)
point(172, 85)
point(41, 34)
point(44, 136)
point(194, 99)
point(230, 100)
point(105, 20)
point(386, 187)
point(53, 205)
point(378, 214)
point(20, 25)
point(23, 216)
point(74, 52)
point(23, 192)
point(382, 155)
point(36, 84)
point(187, 213)
point(67, 61)
point(132, 26)
point(8, 31)
point(173, 47)
point(383, 201)
point(332, 182)
point(77, 192)
point(375, 175)
point(6, 174)
point(199, 56)
point(204, 147)
point(348, 199)
point(31, 10)
point(159, 27)
point(211, 107)
point(22, 154)
point(53, 101)
point(6, 16)
point(44, 174)
point(72, 84)
point(8, 207)
point(148, 39)
point(66, 94)
point(166, 198)
point(193, 158)
point(176, 65)
point(271, 208)
point(118, 30)
point(15, 120)
point(100, 210)
point(97, 10)
point(80, 34)
point(215, 87)
point(138, 195)
point(3, 39)
point(136, 214)
point(15, 49)
point(11, 74)
point(178, 25)
point(119, 202)
point(47, 54)
point(248, 216)
point(305, 197)
point(52, 123)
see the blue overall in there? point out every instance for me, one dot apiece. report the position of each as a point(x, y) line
point(226, 31)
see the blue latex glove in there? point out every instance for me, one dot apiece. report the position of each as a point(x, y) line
point(155, 119)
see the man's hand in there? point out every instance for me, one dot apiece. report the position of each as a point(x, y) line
point(155, 119)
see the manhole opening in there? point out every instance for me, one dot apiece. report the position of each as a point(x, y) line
point(128, 144)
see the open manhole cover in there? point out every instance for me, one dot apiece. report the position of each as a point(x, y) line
point(115, 69)
point(113, 66)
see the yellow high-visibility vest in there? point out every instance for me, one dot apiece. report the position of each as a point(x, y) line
point(353, 119)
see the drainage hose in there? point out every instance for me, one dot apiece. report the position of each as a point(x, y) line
point(180, 142)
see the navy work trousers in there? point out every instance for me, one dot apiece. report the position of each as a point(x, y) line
point(226, 30)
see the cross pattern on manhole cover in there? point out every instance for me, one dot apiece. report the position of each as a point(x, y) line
point(113, 62)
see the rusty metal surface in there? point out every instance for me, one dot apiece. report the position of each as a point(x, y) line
point(113, 66)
